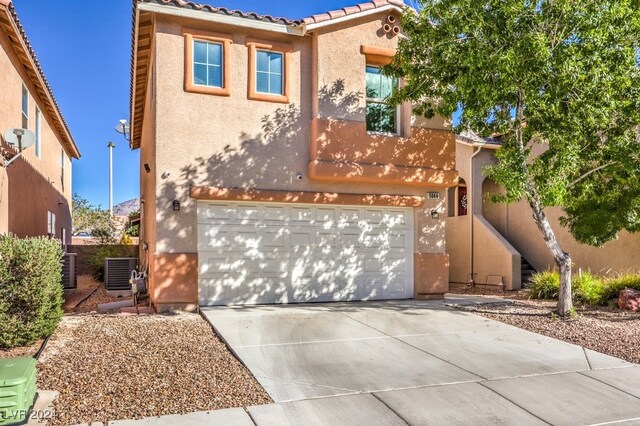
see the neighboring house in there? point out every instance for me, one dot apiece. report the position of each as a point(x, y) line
point(271, 170)
point(507, 244)
point(35, 190)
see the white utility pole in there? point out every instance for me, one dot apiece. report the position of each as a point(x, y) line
point(111, 145)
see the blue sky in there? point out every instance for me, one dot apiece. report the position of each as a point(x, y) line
point(84, 49)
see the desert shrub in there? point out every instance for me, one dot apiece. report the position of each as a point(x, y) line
point(30, 289)
point(103, 252)
point(126, 240)
point(133, 230)
point(587, 288)
point(613, 286)
point(545, 285)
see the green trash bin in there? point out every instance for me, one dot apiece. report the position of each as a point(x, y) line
point(17, 389)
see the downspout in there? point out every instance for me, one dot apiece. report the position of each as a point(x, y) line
point(470, 190)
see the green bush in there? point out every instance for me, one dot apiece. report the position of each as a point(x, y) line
point(30, 289)
point(545, 285)
point(107, 251)
point(613, 286)
point(587, 288)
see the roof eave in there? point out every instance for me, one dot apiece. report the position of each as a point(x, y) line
point(295, 30)
point(19, 37)
point(308, 27)
point(476, 143)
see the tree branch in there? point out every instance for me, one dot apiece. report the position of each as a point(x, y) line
point(590, 172)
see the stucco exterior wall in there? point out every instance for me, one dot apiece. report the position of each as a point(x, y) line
point(31, 186)
point(493, 255)
point(197, 139)
point(622, 254)
point(247, 143)
point(514, 224)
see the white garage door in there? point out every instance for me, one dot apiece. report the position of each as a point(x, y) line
point(258, 253)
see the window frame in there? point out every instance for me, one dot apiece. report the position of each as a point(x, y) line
point(368, 100)
point(285, 50)
point(38, 133)
point(24, 99)
point(225, 40)
point(270, 73)
point(63, 160)
point(51, 224)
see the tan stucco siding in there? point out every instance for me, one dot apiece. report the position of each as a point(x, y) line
point(232, 141)
point(515, 223)
point(622, 254)
point(31, 186)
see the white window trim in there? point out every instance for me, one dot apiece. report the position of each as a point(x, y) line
point(282, 71)
point(38, 132)
point(193, 62)
point(24, 95)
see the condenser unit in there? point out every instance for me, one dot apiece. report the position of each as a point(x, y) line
point(69, 273)
point(117, 272)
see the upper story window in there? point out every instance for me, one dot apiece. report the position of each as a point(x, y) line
point(269, 70)
point(62, 161)
point(38, 133)
point(207, 62)
point(51, 224)
point(381, 118)
point(25, 107)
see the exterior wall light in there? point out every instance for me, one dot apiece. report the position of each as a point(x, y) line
point(176, 205)
point(435, 214)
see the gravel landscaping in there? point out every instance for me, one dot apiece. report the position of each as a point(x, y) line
point(109, 367)
point(22, 351)
point(607, 330)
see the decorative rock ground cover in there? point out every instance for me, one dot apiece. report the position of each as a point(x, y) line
point(607, 330)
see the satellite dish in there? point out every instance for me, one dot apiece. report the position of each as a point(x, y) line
point(122, 127)
point(20, 138)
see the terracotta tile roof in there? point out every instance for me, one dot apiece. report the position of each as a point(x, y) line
point(314, 19)
point(49, 99)
point(350, 10)
point(224, 11)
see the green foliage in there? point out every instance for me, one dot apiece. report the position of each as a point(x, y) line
point(30, 289)
point(545, 285)
point(613, 286)
point(571, 68)
point(102, 252)
point(587, 288)
point(133, 230)
point(93, 220)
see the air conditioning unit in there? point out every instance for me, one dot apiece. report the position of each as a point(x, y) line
point(69, 273)
point(117, 272)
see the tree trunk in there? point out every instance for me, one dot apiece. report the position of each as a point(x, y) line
point(562, 259)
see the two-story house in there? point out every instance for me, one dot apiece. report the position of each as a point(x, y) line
point(35, 190)
point(272, 171)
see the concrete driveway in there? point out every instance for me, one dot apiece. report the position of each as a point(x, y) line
point(419, 362)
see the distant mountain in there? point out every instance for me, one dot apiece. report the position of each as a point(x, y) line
point(126, 207)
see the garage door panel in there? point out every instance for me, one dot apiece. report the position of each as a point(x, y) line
point(240, 289)
point(301, 214)
point(254, 253)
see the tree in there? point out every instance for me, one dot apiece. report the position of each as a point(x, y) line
point(559, 75)
point(92, 220)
